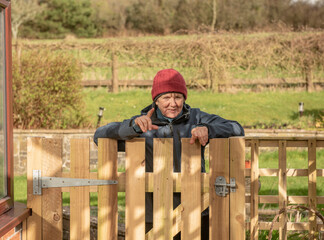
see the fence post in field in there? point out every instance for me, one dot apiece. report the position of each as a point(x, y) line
point(114, 71)
point(309, 79)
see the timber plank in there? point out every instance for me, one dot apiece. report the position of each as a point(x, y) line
point(291, 199)
point(312, 187)
point(52, 197)
point(254, 190)
point(237, 199)
point(107, 195)
point(191, 190)
point(79, 196)
point(283, 189)
point(218, 206)
point(135, 189)
point(34, 162)
point(163, 188)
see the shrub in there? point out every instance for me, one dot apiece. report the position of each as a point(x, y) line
point(192, 15)
point(149, 16)
point(62, 17)
point(46, 91)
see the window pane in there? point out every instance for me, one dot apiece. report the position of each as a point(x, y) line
point(3, 168)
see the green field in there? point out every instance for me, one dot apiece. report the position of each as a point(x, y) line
point(253, 110)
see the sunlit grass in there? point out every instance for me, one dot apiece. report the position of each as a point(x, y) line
point(258, 110)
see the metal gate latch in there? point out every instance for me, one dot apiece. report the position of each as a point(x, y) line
point(40, 182)
point(221, 187)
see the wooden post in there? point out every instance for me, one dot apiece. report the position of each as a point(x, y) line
point(163, 188)
point(107, 195)
point(218, 206)
point(312, 202)
point(237, 198)
point(191, 190)
point(282, 189)
point(114, 71)
point(135, 189)
point(34, 156)
point(254, 214)
point(309, 79)
point(80, 196)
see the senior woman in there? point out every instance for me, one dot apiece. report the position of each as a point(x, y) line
point(170, 117)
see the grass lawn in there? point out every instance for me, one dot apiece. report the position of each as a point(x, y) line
point(257, 110)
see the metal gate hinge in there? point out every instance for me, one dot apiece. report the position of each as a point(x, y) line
point(40, 182)
point(221, 187)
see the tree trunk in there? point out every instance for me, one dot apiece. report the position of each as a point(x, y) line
point(214, 16)
point(18, 53)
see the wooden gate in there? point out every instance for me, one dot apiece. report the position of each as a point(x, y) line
point(227, 214)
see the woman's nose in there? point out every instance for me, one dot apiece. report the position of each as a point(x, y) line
point(173, 102)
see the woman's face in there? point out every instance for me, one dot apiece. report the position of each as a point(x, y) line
point(170, 104)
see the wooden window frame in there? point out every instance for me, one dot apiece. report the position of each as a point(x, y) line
point(7, 202)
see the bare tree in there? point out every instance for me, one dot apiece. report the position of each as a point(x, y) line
point(212, 28)
point(22, 11)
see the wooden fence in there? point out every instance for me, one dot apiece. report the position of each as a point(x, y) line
point(254, 84)
point(227, 216)
point(309, 84)
point(283, 172)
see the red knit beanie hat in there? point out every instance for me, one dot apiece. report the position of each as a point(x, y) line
point(168, 80)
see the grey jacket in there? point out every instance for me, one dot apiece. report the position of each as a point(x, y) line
point(179, 128)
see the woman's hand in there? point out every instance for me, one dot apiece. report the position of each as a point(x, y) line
point(200, 133)
point(145, 122)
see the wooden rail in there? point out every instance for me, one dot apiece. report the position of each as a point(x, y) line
point(236, 83)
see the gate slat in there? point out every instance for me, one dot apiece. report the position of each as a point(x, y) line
point(107, 195)
point(52, 197)
point(283, 189)
point(218, 206)
point(79, 196)
point(254, 190)
point(34, 155)
point(191, 190)
point(163, 188)
point(135, 189)
point(312, 186)
point(237, 199)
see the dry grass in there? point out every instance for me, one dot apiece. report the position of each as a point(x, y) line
point(211, 61)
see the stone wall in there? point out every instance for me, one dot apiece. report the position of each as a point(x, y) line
point(20, 143)
point(20, 147)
